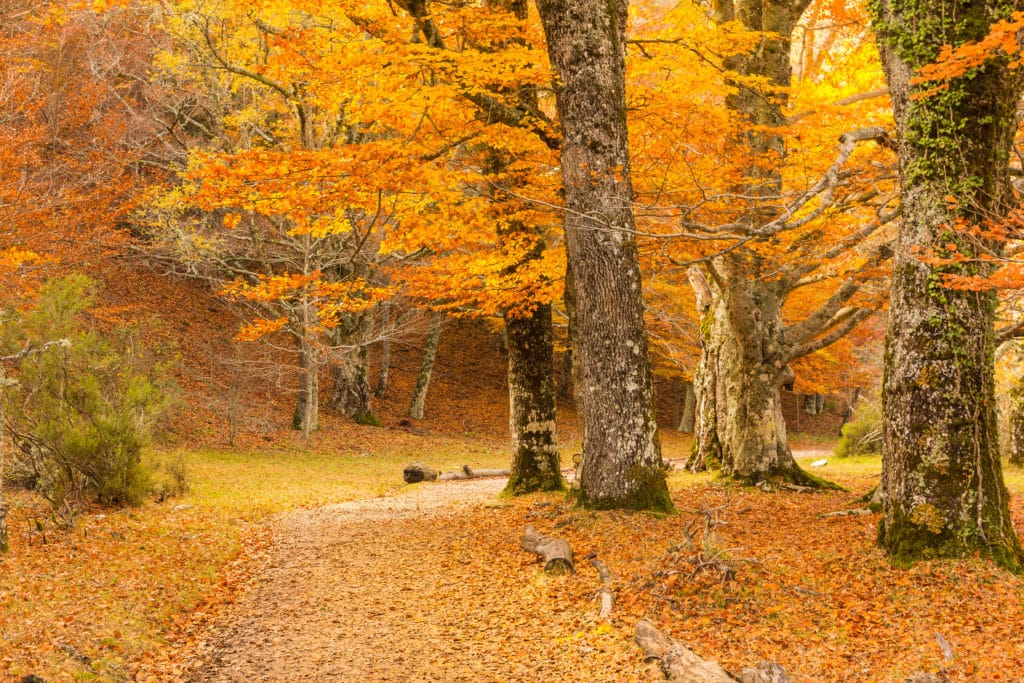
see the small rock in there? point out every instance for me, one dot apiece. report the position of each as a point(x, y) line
point(819, 463)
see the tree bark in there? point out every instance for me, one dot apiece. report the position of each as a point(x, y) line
point(307, 404)
point(621, 465)
point(943, 484)
point(535, 457)
point(419, 395)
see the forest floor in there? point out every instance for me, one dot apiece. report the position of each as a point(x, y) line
point(429, 584)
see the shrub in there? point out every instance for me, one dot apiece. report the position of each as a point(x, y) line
point(82, 411)
point(863, 434)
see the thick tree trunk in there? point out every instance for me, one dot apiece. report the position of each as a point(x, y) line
point(943, 483)
point(621, 465)
point(535, 459)
point(351, 395)
point(307, 404)
point(743, 365)
point(419, 394)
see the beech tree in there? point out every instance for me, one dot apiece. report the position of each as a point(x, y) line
point(776, 228)
point(621, 462)
point(942, 478)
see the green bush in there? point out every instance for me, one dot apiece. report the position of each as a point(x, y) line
point(83, 409)
point(863, 434)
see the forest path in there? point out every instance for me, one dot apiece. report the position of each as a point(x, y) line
point(399, 588)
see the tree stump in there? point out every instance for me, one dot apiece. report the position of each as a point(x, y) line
point(554, 552)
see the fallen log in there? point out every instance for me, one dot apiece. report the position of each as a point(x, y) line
point(418, 471)
point(467, 473)
point(846, 513)
point(681, 664)
point(554, 552)
point(605, 595)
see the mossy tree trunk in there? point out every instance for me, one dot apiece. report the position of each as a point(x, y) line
point(531, 389)
point(621, 465)
point(943, 484)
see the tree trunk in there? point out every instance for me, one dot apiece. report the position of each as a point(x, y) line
point(743, 366)
point(419, 394)
point(307, 405)
point(621, 465)
point(351, 395)
point(535, 459)
point(687, 417)
point(565, 376)
point(5, 545)
point(1015, 420)
point(385, 354)
point(943, 483)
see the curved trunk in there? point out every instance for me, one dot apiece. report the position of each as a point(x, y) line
point(621, 465)
point(535, 459)
point(942, 479)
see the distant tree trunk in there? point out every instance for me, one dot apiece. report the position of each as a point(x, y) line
point(943, 483)
point(565, 376)
point(688, 416)
point(535, 459)
point(814, 404)
point(419, 395)
point(385, 354)
point(350, 372)
point(621, 465)
point(5, 545)
point(307, 404)
point(351, 395)
point(1015, 420)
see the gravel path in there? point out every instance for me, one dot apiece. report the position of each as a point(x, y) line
point(356, 591)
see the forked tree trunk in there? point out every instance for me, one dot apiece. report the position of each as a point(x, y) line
point(535, 459)
point(943, 483)
point(419, 395)
point(307, 404)
point(621, 465)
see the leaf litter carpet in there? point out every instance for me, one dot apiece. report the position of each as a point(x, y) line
point(430, 585)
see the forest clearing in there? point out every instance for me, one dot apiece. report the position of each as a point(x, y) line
point(502, 340)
